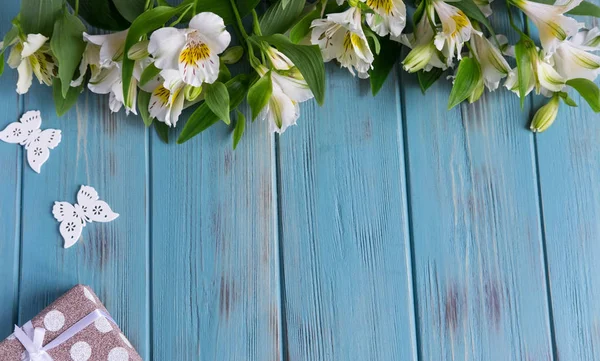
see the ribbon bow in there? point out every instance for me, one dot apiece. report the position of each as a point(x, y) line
point(33, 338)
point(33, 341)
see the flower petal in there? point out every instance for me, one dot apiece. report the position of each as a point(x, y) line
point(34, 43)
point(296, 89)
point(212, 27)
point(25, 76)
point(198, 63)
point(165, 46)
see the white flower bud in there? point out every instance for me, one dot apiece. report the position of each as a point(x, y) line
point(418, 58)
point(545, 116)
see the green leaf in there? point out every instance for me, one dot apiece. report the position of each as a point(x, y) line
point(428, 78)
point(143, 100)
point(474, 12)
point(101, 14)
point(302, 27)
point(63, 104)
point(1, 62)
point(217, 99)
point(145, 23)
point(67, 45)
point(223, 8)
point(588, 91)
point(224, 73)
point(277, 19)
point(524, 70)
point(373, 40)
point(130, 9)
point(202, 118)
point(162, 130)
point(38, 16)
point(307, 59)
point(259, 94)
point(465, 82)
point(567, 99)
point(240, 125)
point(148, 74)
point(383, 64)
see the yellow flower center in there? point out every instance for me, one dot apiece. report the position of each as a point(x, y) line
point(461, 22)
point(385, 5)
point(163, 95)
point(194, 52)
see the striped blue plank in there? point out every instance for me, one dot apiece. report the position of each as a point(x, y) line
point(569, 173)
point(478, 251)
point(215, 265)
point(10, 190)
point(344, 231)
point(107, 152)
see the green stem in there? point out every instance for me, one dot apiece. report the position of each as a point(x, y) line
point(238, 19)
point(181, 16)
point(255, 23)
point(148, 4)
point(512, 20)
point(76, 7)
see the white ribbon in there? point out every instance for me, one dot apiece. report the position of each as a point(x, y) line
point(33, 338)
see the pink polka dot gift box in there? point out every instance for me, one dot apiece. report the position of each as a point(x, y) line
point(76, 327)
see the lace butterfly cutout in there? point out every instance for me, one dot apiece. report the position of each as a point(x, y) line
point(38, 143)
point(73, 218)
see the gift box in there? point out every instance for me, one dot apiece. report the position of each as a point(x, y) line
point(76, 327)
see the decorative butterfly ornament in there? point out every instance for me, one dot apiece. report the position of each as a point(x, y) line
point(37, 142)
point(73, 218)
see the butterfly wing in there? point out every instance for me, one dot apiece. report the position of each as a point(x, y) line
point(38, 151)
point(87, 196)
point(31, 119)
point(15, 133)
point(71, 224)
point(100, 212)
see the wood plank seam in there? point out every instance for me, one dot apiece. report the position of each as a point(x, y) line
point(284, 354)
point(413, 284)
point(19, 226)
point(149, 269)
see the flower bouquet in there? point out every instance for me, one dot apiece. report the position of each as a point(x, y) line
point(156, 59)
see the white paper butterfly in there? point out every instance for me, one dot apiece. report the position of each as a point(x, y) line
point(38, 143)
point(87, 210)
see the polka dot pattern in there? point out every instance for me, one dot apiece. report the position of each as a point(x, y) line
point(89, 295)
point(103, 325)
point(118, 354)
point(125, 340)
point(81, 351)
point(54, 321)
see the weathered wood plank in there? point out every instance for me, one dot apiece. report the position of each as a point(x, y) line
point(569, 174)
point(478, 255)
point(344, 227)
point(107, 152)
point(10, 190)
point(215, 266)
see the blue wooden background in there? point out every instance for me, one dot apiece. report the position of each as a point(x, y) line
point(381, 228)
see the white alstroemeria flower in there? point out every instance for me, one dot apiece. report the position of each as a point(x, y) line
point(546, 80)
point(389, 16)
point(494, 66)
point(553, 26)
point(111, 46)
point(289, 89)
point(424, 54)
point(91, 58)
point(167, 100)
point(456, 30)
point(573, 58)
point(340, 36)
point(30, 57)
point(193, 51)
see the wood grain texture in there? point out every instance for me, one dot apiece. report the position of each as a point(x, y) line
point(478, 252)
point(569, 174)
point(344, 233)
point(215, 265)
point(105, 151)
point(11, 156)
